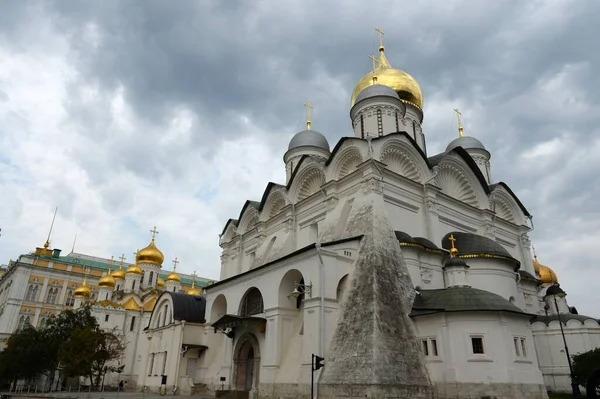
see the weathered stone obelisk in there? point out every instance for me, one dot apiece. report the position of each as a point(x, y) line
point(374, 352)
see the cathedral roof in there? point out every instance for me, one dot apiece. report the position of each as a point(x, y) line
point(476, 246)
point(526, 275)
point(376, 91)
point(460, 299)
point(308, 138)
point(190, 308)
point(406, 240)
point(465, 142)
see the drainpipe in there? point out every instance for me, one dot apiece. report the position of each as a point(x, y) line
point(322, 323)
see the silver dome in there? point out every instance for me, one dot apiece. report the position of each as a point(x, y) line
point(465, 142)
point(376, 91)
point(310, 138)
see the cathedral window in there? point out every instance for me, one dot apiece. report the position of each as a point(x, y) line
point(252, 303)
point(151, 364)
point(397, 123)
point(429, 346)
point(164, 365)
point(379, 122)
point(425, 347)
point(132, 324)
point(362, 126)
point(105, 317)
point(414, 130)
point(477, 345)
point(520, 347)
point(151, 278)
point(133, 285)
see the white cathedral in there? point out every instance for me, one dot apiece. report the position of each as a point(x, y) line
point(410, 273)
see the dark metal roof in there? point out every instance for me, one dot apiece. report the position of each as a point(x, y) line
point(466, 142)
point(308, 138)
point(376, 90)
point(460, 299)
point(517, 200)
point(407, 240)
point(186, 307)
point(455, 262)
point(527, 275)
point(563, 317)
point(471, 245)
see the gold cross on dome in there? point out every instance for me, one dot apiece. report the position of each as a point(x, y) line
point(380, 32)
point(452, 239)
point(112, 260)
point(122, 258)
point(308, 108)
point(460, 126)
point(154, 233)
point(175, 262)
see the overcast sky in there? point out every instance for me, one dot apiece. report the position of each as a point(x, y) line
point(133, 114)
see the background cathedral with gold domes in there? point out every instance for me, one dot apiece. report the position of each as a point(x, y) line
point(122, 295)
point(410, 273)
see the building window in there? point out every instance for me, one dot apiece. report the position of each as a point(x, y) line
point(164, 365)
point(252, 303)
point(429, 346)
point(362, 127)
point(132, 323)
point(52, 293)
point(105, 317)
point(70, 301)
point(151, 364)
point(151, 278)
point(379, 122)
point(477, 345)
point(520, 347)
point(133, 285)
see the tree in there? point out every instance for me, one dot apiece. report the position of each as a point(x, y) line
point(26, 355)
point(584, 364)
point(89, 352)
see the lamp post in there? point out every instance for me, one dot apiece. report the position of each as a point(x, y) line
point(556, 291)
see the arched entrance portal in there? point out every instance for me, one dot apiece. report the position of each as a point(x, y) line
point(246, 363)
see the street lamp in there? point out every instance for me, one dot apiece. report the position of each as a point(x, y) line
point(300, 289)
point(556, 291)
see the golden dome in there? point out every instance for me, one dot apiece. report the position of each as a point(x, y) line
point(150, 254)
point(107, 281)
point(405, 85)
point(160, 283)
point(547, 275)
point(134, 269)
point(194, 291)
point(83, 291)
point(174, 277)
point(119, 274)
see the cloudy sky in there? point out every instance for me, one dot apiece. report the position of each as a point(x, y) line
point(133, 114)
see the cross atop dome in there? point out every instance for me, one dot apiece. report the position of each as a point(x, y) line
point(308, 121)
point(154, 233)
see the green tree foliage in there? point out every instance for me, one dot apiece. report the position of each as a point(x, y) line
point(585, 363)
point(26, 355)
point(72, 340)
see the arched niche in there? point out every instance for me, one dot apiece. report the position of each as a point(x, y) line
point(246, 363)
point(402, 158)
point(308, 182)
point(286, 287)
point(248, 220)
point(505, 207)
point(252, 303)
point(458, 181)
point(342, 287)
point(218, 308)
point(274, 205)
point(344, 162)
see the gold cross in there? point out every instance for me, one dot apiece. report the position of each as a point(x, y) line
point(154, 233)
point(372, 57)
point(308, 108)
point(380, 32)
point(194, 279)
point(122, 258)
point(175, 262)
point(460, 126)
point(110, 263)
point(452, 239)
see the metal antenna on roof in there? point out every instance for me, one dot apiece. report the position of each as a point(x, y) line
point(47, 243)
point(74, 241)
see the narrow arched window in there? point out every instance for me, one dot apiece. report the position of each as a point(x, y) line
point(29, 295)
point(151, 278)
point(379, 122)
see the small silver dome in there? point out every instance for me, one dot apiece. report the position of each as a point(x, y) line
point(310, 138)
point(465, 142)
point(376, 91)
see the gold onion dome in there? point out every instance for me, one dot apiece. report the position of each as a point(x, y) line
point(107, 281)
point(134, 269)
point(83, 291)
point(151, 254)
point(401, 82)
point(119, 274)
point(160, 283)
point(194, 291)
point(173, 276)
point(547, 275)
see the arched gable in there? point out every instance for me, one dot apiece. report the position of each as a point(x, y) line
point(274, 204)
point(505, 206)
point(307, 182)
point(248, 217)
point(229, 233)
point(457, 179)
point(345, 161)
point(156, 316)
point(398, 152)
